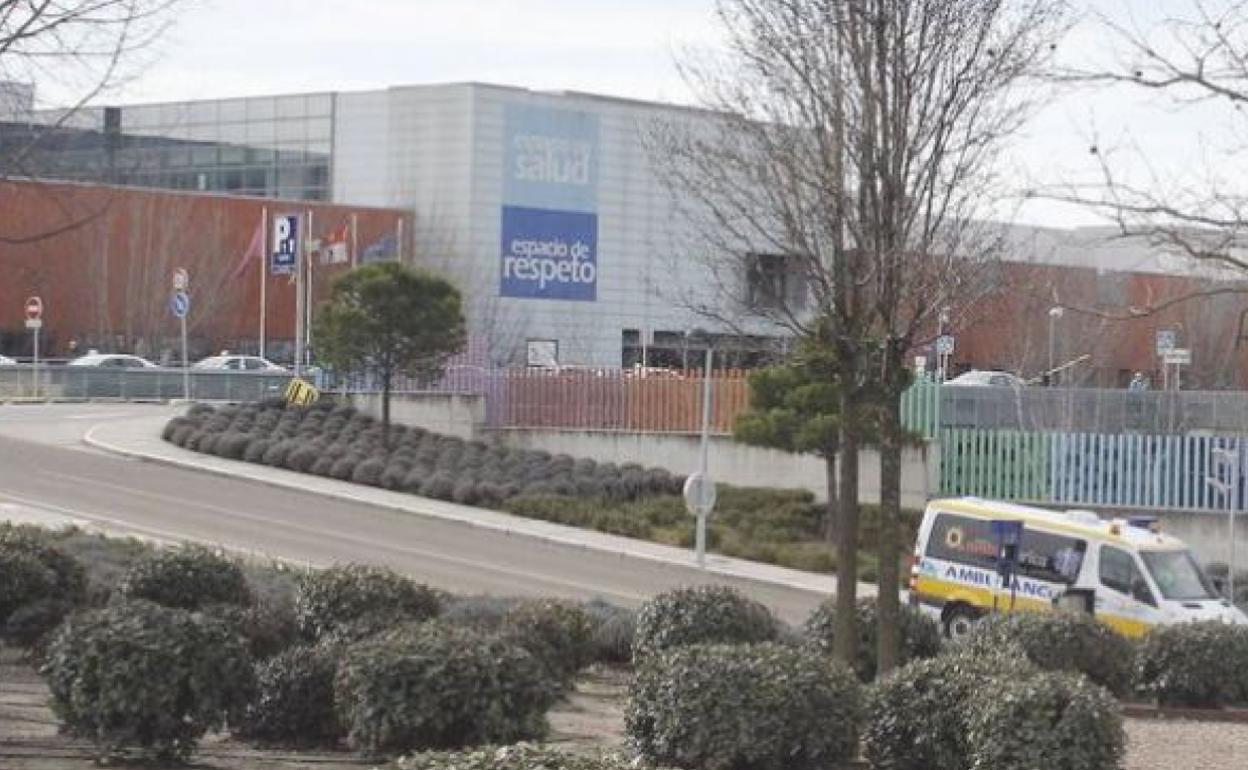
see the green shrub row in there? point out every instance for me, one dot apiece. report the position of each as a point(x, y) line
point(340, 443)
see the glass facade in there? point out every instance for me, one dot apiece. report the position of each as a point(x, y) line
point(266, 146)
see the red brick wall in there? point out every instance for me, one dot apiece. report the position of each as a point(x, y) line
point(102, 258)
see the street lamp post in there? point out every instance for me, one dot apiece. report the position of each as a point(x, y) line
point(699, 490)
point(1055, 313)
point(1229, 488)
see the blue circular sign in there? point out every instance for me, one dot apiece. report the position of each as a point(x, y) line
point(180, 304)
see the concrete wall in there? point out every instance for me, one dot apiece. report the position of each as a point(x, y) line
point(451, 414)
point(730, 462)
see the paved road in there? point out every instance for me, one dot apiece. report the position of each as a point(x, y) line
point(46, 473)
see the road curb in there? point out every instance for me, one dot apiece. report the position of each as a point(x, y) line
point(574, 537)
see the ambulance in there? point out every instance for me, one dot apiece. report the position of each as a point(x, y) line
point(1130, 575)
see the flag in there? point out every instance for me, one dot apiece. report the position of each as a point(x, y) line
point(334, 245)
point(255, 250)
point(383, 250)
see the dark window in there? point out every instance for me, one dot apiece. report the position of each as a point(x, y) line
point(1120, 573)
point(774, 282)
point(1042, 555)
point(963, 540)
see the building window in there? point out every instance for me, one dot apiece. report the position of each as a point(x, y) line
point(774, 282)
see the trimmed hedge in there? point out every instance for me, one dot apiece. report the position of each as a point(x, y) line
point(700, 615)
point(370, 598)
point(430, 686)
point(520, 756)
point(294, 702)
point(1194, 664)
point(559, 634)
point(190, 578)
point(1061, 641)
point(1057, 721)
point(920, 635)
point(136, 674)
point(39, 585)
point(916, 715)
point(763, 707)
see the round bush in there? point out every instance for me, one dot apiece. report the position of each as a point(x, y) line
point(232, 445)
point(256, 449)
point(39, 585)
point(432, 686)
point(138, 674)
point(481, 613)
point(30, 624)
point(520, 756)
point(294, 700)
point(369, 471)
point(438, 486)
point(269, 628)
point(613, 632)
point(763, 707)
point(332, 599)
point(1194, 664)
point(276, 454)
point(1061, 641)
point(189, 577)
point(920, 635)
point(916, 715)
point(1058, 721)
point(302, 456)
point(559, 634)
point(700, 615)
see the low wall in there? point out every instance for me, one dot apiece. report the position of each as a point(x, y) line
point(451, 414)
point(730, 461)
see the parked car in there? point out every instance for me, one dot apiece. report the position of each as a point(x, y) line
point(230, 362)
point(6, 361)
point(113, 361)
point(988, 378)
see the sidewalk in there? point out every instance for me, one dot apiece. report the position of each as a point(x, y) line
point(140, 439)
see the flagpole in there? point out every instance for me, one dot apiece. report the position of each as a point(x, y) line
point(264, 270)
point(307, 303)
point(354, 240)
point(299, 298)
point(399, 247)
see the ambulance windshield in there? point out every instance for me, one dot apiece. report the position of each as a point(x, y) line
point(1178, 576)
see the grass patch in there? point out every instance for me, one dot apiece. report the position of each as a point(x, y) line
point(774, 526)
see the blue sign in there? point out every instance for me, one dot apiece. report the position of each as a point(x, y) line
point(285, 254)
point(549, 254)
point(550, 158)
point(180, 304)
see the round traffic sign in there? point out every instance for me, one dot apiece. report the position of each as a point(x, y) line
point(180, 304)
point(699, 494)
point(34, 307)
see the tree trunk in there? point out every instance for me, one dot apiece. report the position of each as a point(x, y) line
point(845, 632)
point(888, 603)
point(386, 375)
point(832, 517)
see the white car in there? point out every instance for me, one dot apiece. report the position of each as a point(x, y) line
point(988, 378)
point(232, 362)
point(6, 361)
point(113, 361)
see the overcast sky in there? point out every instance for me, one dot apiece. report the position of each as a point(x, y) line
point(221, 48)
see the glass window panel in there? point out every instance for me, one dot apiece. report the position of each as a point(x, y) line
point(231, 110)
point(204, 155)
point(232, 155)
point(320, 104)
point(291, 131)
point(292, 106)
point(261, 108)
point(203, 112)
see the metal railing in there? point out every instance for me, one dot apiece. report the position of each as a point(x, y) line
point(89, 382)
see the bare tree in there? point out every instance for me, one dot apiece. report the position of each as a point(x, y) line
point(79, 49)
point(1195, 60)
point(851, 148)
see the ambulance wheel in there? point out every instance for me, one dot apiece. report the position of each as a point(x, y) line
point(958, 621)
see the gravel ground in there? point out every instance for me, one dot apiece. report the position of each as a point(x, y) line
point(1155, 744)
